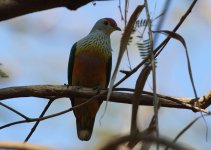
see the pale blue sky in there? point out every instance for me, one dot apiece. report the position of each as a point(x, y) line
point(35, 50)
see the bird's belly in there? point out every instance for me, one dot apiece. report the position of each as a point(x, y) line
point(89, 70)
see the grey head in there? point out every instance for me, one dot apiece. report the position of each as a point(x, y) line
point(106, 25)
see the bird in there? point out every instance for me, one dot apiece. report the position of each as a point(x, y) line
point(89, 66)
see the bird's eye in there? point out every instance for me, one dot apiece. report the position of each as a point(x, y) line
point(105, 23)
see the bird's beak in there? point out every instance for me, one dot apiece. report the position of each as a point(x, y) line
point(117, 28)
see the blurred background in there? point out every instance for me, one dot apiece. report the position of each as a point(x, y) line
point(34, 50)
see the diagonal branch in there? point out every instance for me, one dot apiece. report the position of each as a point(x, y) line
point(37, 123)
point(49, 116)
point(13, 110)
point(140, 83)
point(161, 46)
point(155, 98)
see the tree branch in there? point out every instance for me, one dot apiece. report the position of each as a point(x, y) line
point(59, 91)
point(113, 145)
point(13, 8)
point(13, 110)
point(23, 146)
point(37, 123)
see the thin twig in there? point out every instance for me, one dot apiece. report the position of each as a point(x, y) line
point(155, 99)
point(165, 9)
point(15, 111)
point(140, 83)
point(120, 10)
point(37, 123)
point(185, 129)
point(180, 101)
point(182, 19)
point(53, 115)
point(125, 20)
point(158, 50)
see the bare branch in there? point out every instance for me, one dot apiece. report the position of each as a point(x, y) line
point(140, 83)
point(185, 129)
point(52, 115)
point(60, 91)
point(154, 83)
point(23, 146)
point(158, 50)
point(13, 110)
point(37, 123)
point(182, 19)
point(13, 8)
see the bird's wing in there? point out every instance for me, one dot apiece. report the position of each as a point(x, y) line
point(108, 70)
point(71, 63)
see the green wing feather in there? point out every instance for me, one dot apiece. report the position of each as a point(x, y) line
point(108, 71)
point(71, 63)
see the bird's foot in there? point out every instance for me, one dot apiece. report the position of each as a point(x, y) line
point(66, 85)
point(98, 89)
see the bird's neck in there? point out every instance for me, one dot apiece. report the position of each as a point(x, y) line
point(98, 40)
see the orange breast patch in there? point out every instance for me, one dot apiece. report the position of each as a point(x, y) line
point(89, 69)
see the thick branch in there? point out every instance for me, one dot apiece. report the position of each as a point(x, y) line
point(59, 91)
point(13, 8)
point(23, 146)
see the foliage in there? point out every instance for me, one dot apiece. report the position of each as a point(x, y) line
point(3, 74)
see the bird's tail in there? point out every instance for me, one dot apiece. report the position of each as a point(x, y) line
point(85, 117)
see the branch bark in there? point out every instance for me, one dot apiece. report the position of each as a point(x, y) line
point(23, 146)
point(59, 91)
point(13, 8)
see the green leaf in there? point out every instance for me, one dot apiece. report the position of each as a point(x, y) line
point(3, 74)
point(144, 48)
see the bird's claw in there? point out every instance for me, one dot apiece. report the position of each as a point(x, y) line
point(98, 89)
point(66, 85)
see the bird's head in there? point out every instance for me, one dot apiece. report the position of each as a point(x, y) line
point(106, 25)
